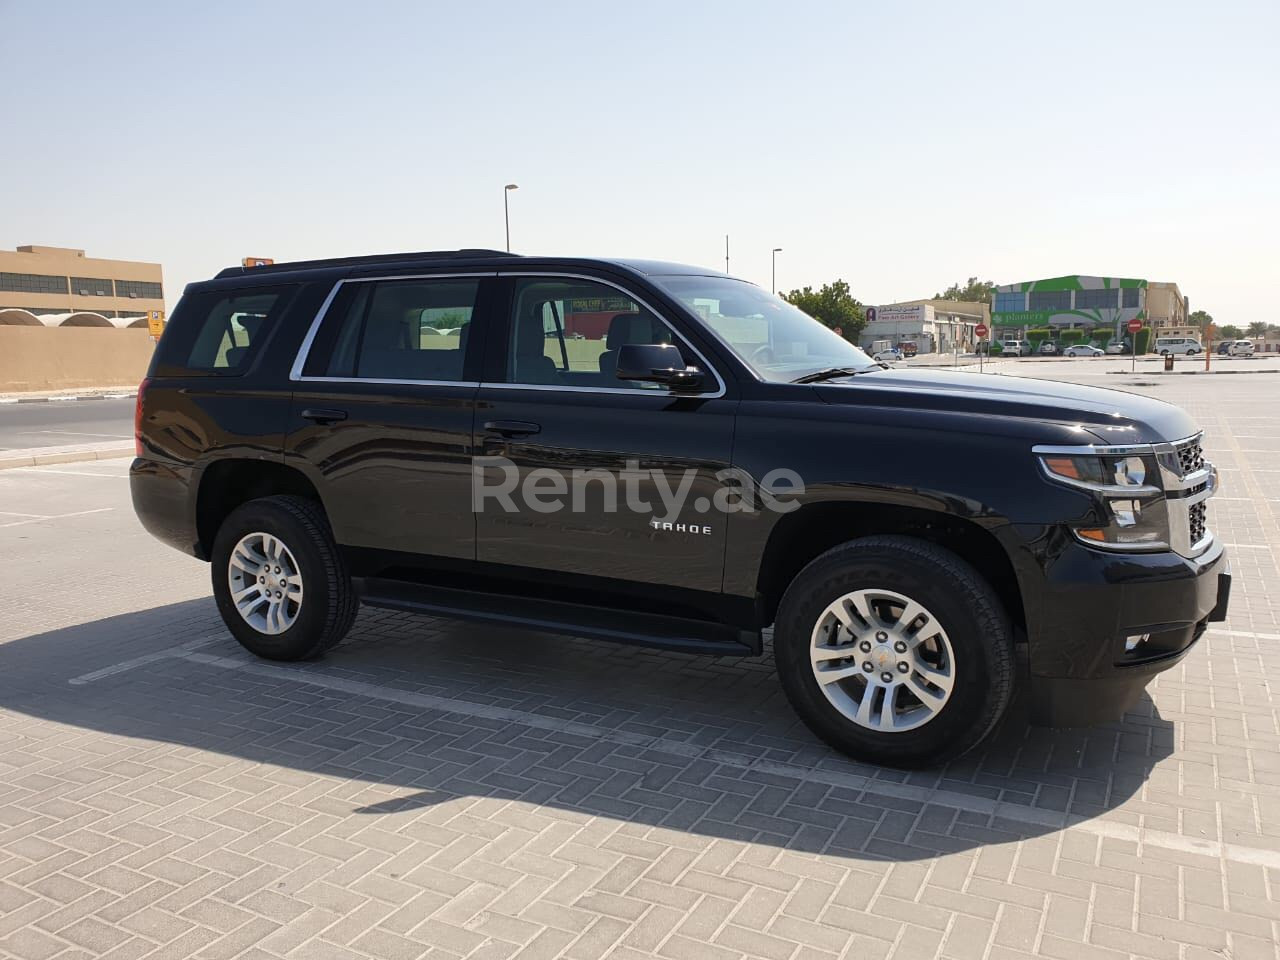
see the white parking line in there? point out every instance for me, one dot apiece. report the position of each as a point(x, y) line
point(1246, 633)
point(64, 473)
point(1247, 546)
point(1021, 813)
point(36, 518)
point(126, 665)
point(79, 433)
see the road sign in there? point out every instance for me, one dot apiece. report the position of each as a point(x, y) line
point(248, 262)
point(155, 323)
point(1135, 325)
point(980, 330)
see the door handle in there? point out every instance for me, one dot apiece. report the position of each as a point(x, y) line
point(511, 428)
point(324, 416)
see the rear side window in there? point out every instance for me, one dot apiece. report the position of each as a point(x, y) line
point(408, 330)
point(221, 333)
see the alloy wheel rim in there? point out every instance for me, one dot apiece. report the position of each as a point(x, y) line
point(266, 584)
point(883, 660)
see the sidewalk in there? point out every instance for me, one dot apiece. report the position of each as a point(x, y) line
point(68, 453)
point(85, 393)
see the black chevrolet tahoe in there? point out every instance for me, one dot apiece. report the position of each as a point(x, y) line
point(660, 454)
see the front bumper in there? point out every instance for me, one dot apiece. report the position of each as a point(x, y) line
point(1092, 602)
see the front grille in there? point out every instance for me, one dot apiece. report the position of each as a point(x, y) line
point(1190, 457)
point(1196, 520)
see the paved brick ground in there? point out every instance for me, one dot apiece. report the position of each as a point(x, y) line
point(442, 790)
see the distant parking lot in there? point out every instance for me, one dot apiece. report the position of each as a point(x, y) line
point(438, 789)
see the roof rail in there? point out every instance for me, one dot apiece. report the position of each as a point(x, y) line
point(467, 253)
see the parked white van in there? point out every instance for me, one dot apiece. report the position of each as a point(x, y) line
point(1176, 345)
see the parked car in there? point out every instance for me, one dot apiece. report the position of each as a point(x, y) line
point(1240, 348)
point(1224, 346)
point(1048, 348)
point(1016, 348)
point(1083, 350)
point(296, 432)
point(1118, 346)
point(1187, 346)
point(888, 353)
point(909, 348)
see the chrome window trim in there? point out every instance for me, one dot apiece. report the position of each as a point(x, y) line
point(640, 391)
point(304, 350)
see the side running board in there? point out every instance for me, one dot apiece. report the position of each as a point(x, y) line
point(554, 616)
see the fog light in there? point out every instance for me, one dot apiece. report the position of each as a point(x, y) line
point(1132, 643)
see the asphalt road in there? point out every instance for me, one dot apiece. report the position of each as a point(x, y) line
point(59, 422)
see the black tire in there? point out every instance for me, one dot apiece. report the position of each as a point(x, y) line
point(963, 603)
point(329, 602)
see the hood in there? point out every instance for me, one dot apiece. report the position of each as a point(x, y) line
point(1112, 416)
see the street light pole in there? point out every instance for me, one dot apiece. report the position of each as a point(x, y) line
point(506, 212)
point(774, 281)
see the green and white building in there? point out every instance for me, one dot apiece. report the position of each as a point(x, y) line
point(1102, 306)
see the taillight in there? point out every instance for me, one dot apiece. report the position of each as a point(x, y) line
point(137, 416)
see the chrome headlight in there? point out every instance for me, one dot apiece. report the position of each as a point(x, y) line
point(1127, 489)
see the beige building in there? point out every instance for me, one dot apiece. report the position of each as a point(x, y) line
point(934, 326)
point(1167, 311)
point(52, 286)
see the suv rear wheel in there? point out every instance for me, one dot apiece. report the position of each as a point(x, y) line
point(279, 580)
point(895, 651)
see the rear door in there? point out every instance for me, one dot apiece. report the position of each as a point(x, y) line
point(384, 399)
point(604, 477)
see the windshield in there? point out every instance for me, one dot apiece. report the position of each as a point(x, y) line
point(775, 339)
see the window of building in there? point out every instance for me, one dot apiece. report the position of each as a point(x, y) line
point(1131, 296)
point(1010, 302)
point(1049, 300)
point(1097, 299)
point(91, 287)
point(32, 283)
point(139, 290)
point(412, 330)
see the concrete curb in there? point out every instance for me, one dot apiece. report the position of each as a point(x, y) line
point(1188, 373)
point(77, 453)
point(63, 398)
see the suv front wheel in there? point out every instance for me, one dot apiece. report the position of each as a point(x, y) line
point(895, 651)
point(279, 581)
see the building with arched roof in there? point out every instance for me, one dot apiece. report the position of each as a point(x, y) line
point(60, 281)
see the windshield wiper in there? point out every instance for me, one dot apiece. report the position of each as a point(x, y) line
point(831, 373)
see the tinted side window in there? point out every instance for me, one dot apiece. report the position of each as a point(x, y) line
point(395, 330)
point(220, 333)
point(568, 333)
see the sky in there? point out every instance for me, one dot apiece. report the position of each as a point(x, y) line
point(898, 146)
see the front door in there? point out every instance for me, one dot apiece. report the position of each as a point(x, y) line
point(586, 474)
point(382, 413)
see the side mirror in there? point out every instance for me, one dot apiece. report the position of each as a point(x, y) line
point(657, 363)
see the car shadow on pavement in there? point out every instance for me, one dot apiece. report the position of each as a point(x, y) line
point(412, 713)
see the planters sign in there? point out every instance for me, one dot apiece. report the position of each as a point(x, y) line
point(1074, 301)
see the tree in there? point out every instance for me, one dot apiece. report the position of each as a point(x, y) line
point(832, 305)
point(975, 291)
point(1230, 332)
point(1200, 319)
point(1258, 328)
